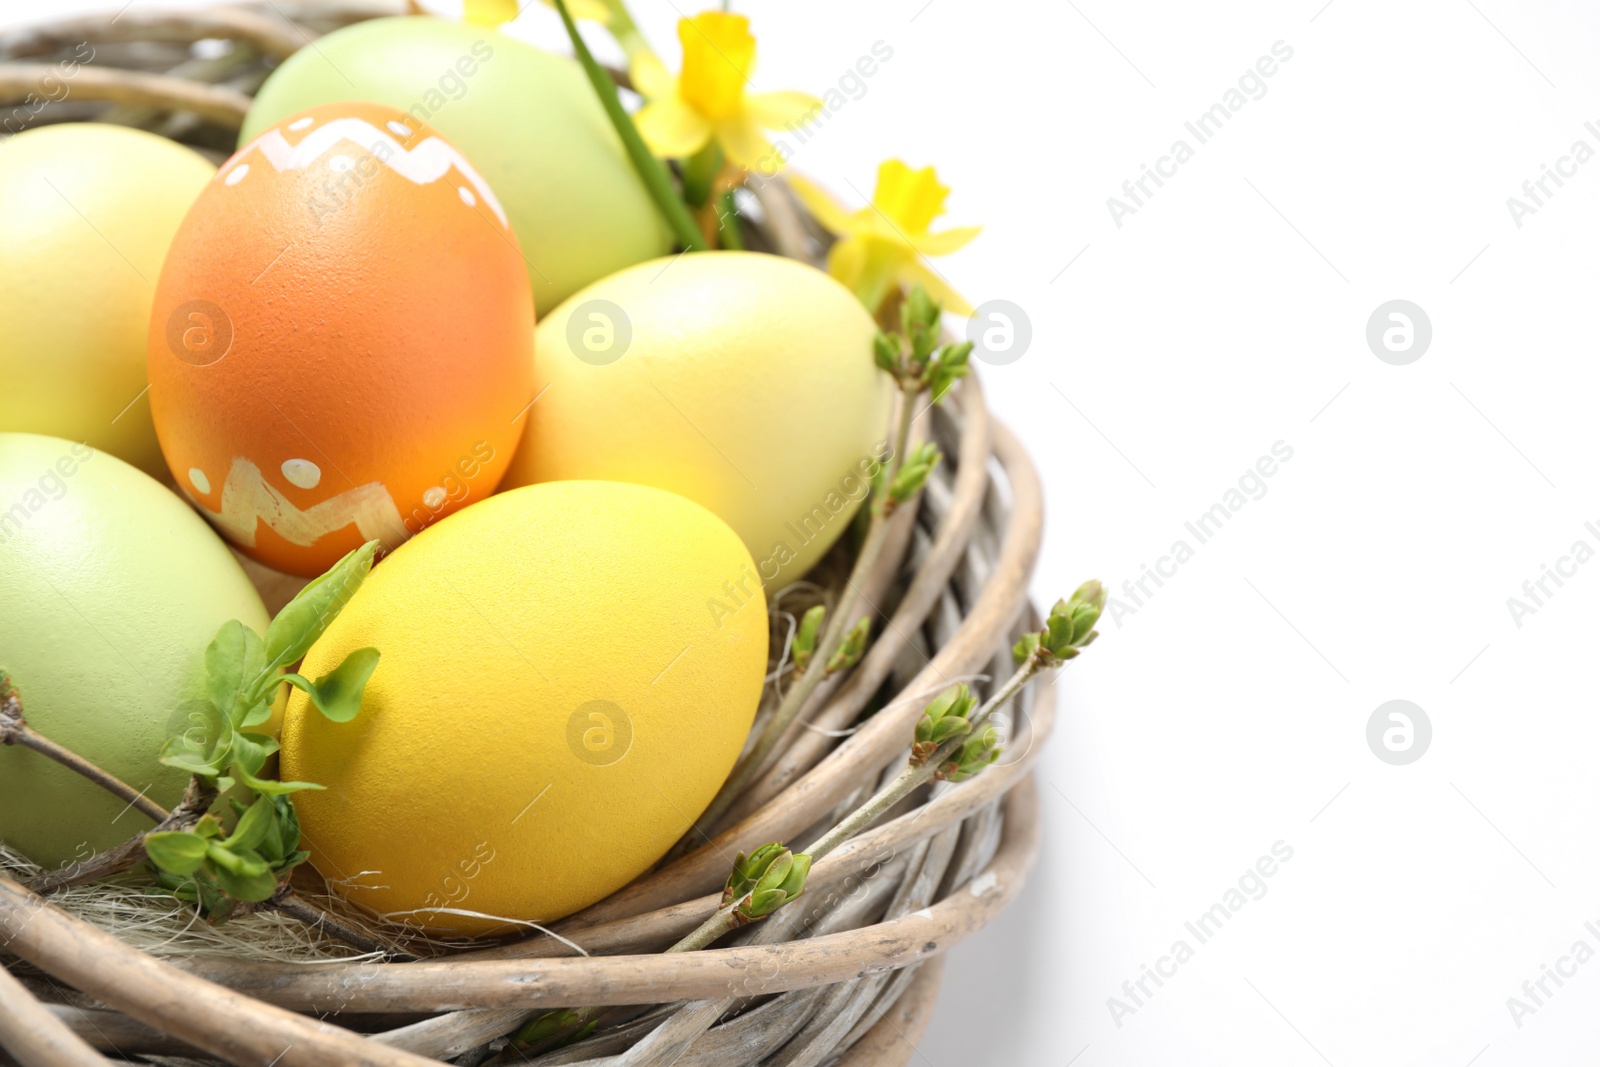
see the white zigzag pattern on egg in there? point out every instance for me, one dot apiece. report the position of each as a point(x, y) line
point(424, 164)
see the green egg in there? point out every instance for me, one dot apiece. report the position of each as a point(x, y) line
point(528, 121)
point(112, 587)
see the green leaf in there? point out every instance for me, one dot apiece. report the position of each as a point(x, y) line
point(337, 694)
point(176, 851)
point(256, 714)
point(253, 826)
point(271, 788)
point(304, 618)
point(204, 747)
point(244, 875)
point(234, 659)
point(250, 752)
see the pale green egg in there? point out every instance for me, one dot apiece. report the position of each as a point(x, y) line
point(528, 121)
point(112, 587)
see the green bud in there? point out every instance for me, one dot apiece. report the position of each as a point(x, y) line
point(804, 645)
point(852, 648)
point(913, 473)
point(976, 754)
point(1068, 630)
point(783, 880)
point(942, 720)
point(886, 351)
point(948, 364)
point(747, 871)
point(919, 317)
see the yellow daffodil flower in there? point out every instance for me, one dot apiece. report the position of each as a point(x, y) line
point(884, 243)
point(708, 100)
point(495, 12)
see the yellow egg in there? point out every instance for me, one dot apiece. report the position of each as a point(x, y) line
point(559, 697)
point(742, 381)
point(87, 211)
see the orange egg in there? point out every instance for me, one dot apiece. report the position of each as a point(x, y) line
point(341, 345)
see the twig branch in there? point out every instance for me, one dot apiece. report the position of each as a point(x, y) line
point(226, 107)
point(917, 775)
point(727, 918)
point(197, 800)
point(14, 730)
point(292, 904)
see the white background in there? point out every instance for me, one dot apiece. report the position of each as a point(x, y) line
point(1229, 711)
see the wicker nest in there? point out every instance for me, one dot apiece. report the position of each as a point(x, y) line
point(847, 975)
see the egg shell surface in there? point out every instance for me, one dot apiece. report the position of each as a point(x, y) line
point(341, 343)
point(557, 700)
point(112, 588)
point(740, 380)
point(528, 119)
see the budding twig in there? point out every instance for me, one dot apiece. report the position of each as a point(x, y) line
point(772, 876)
point(197, 799)
point(14, 730)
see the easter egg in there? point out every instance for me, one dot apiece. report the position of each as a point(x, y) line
point(87, 211)
point(112, 587)
point(742, 381)
point(341, 344)
point(527, 119)
point(569, 672)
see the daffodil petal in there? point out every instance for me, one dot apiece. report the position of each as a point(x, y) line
point(781, 110)
point(746, 145)
point(489, 12)
point(912, 198)
point(718, 55)
point(650, 78)
point(942, 244)
point(915, 272)
point(672, 128)
point(824, 208)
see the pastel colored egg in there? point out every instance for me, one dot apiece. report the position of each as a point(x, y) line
point(112, 588)
point(341, 346)
point(742, 381)
point(87, 212)
point(566, 682)
point(527, 119)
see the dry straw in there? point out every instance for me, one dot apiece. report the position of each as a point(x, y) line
point(847, 974)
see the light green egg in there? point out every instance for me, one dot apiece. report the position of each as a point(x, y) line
point(528, 120)
point(112, 587)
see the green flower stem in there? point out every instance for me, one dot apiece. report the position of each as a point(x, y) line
point(651, 170)
point(839, 623)
point(14, 730)
point(916, 775)
point(729, 215)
